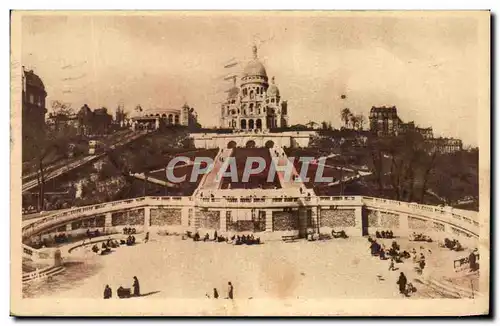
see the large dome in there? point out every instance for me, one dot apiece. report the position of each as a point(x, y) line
point(254, 67)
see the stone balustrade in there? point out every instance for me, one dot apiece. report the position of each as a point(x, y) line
point(456, 221)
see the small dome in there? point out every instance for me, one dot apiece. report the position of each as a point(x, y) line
point(233, 92)
point(273, 90)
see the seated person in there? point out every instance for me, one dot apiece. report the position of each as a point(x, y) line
point(377, 234)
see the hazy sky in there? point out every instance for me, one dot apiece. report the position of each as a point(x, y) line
point(426, 66)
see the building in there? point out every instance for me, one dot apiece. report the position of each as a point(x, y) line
point(384, 121)
point(446, 145)
point(152, 119)
point(33, 110)
point(97, 122)
point(427, 133)
point(255, 104)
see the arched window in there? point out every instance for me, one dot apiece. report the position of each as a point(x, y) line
point(258, 124)
point(267, 101)
point(258, 90)
point(244, 92)
point(272, 100)
point(250, 124)
point(170, 119)
point(243, 124)
point(251, 107)
point(176, 119)
point(251, 95)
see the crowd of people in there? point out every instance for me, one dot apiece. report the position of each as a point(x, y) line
point(129, 230)
point(384, 235)
point(394, 252)
point(235, 239)
point(452, 244)
point(420, 237)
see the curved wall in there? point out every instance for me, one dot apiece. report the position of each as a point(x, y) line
point(356, 215)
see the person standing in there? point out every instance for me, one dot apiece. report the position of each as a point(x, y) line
point(137, 290)
point(216, 294)
point(402, 283)
point(391, 265)
point(230, 290)
point(107, 292)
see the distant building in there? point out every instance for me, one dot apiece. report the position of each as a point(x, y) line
point(256, 104)
point(97, 122)
point(384, 121)
point(410, 126)
point(153, 119)
point(33, 108)
point(446, 145)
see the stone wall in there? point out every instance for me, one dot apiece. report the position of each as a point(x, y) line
point(389, 220)
point(165, 216)
point(89, 223)
point(415, 223)
point(372, 218)
point(337, 218)
point(209, 219)
point(133, 217)
point(285, 221)
point(439, 227)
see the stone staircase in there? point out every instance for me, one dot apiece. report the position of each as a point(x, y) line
point(289, 185)
point(209, 181)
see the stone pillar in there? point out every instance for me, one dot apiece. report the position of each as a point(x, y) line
point(269, 220)
point(315, 214)
point(68, 227)
point(358, 220)
point(108, 220)
point(147, 217)
point(157, 123)
point(303, 221)
point(223, 222)
point(185, 216)
point(404, 229)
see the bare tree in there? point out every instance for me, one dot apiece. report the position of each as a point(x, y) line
point(346, 116)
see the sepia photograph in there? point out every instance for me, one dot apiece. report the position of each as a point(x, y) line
point(250, 163)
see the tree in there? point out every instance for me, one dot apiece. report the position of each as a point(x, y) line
point(404, 162)
point(312, 124)
point(354, 121)
point(346, 115)
point(60, 108)
point(121, 115)
point(41, 145)
point(361, 121)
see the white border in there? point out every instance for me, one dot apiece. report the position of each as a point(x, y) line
point(186, 4)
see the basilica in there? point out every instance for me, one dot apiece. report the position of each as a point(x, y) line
point(255, 104)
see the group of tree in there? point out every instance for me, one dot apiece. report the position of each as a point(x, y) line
point(351, 120)
point(403, 164)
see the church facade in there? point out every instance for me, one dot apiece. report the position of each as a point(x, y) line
point(255, 104)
